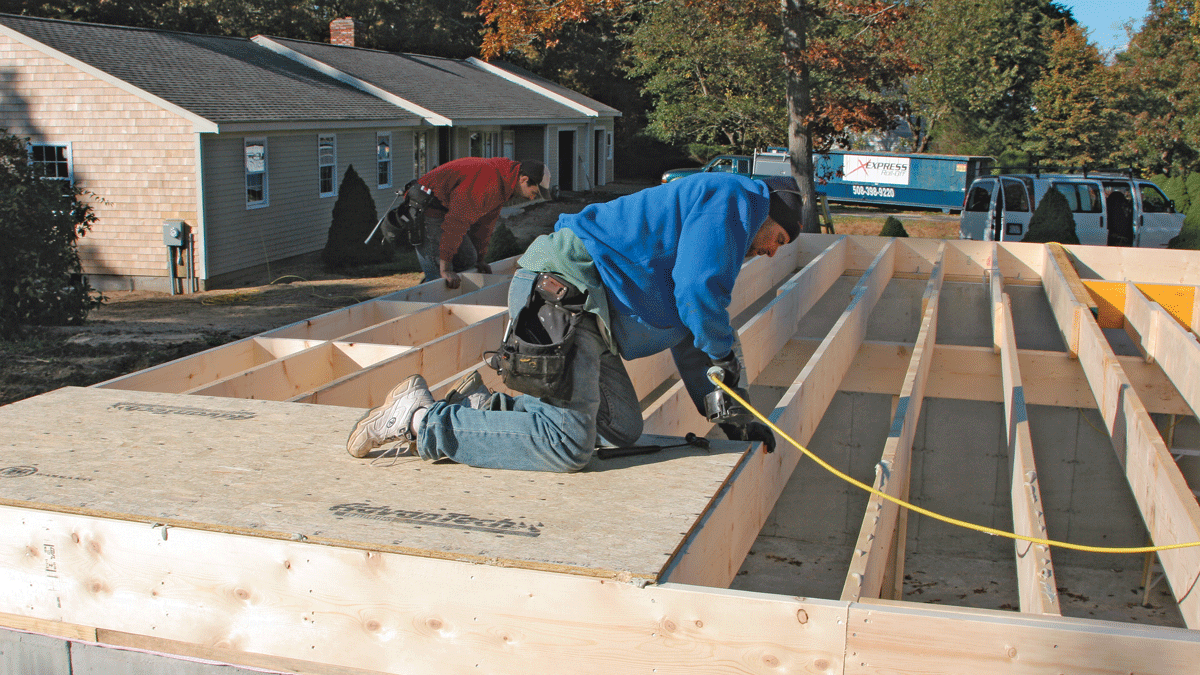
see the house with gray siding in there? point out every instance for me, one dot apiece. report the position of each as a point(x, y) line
point(245, 141)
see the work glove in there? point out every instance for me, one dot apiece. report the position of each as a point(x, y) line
point(751, 431)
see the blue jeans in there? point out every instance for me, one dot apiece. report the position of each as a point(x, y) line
point(428, 254)
point(533, 434)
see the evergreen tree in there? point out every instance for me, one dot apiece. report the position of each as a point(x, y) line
point(354, 217)
point(892, 227)
point(504, 244)
point(1052, 221)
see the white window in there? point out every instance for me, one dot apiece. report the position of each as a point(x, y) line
point(609, 135)
point(52, 160)
point(257, 190)
point(420, 154)
point(383, 160)
point(475, 145)
point(327, 165)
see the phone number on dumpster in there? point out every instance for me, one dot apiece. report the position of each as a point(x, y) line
point(872, 191)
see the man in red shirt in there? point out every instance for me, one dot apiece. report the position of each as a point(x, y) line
point(470, 192)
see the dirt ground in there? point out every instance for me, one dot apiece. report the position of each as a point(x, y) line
point(138, 329)
point(134, 330)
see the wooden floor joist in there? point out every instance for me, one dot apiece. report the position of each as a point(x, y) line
point(206, 508)
point(1167, 504)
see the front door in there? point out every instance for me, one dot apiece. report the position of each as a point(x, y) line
point(566, 160)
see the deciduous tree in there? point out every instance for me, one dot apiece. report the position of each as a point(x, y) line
point(979, 61)
point(714, 71)
point(843, 59)
point(1075, 122)
point(1160, 73)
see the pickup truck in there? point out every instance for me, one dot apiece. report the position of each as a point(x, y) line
point(765, 164)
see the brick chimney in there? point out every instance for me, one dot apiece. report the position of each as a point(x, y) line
point(341, 31)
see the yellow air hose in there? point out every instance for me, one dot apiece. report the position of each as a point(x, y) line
point(945, 519)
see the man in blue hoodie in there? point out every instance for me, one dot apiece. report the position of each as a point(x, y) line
point(647, 272)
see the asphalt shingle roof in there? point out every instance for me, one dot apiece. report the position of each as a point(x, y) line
point(221, 79)
point(557, 88)
point(453, 88)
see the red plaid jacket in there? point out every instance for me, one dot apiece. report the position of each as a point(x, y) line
point(472, 190)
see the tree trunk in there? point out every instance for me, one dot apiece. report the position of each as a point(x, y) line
point(795, 14)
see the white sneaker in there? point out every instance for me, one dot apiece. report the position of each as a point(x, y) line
point(469, 391)
point(391, 421)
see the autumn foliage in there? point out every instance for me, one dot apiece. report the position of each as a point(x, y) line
point(527, 25)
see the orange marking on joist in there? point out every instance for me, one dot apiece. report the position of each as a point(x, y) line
point(1110, 299)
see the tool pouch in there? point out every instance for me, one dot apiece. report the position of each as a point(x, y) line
point(407, 221)
point(535, 356)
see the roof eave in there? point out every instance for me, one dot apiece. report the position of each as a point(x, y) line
point(200, 124)
point(429, 116)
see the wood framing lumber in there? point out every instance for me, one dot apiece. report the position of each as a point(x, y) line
point(973, 373)
point(435, 360)
point(1036, 584)
point(339, 322)
point(1167, 504)
point(1063, 261)
point(423, 325)
point(209, 365)
point(1166, 343)
point(1179, 300)
point(1062, 296)
point(395, 613)
point(475, 289)
point(714, 549)
point(995, 289)
point(284, 378)
point(968, 261)
point(764, 335)
point(818, 381)
point(876, 543)
point(901, 637)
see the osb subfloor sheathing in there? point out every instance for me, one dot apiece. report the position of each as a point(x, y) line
point(206, 509)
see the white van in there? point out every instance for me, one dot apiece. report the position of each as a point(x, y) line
point(1155, 221)
point(999, 208)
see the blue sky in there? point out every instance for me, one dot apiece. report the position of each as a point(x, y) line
point(1104, 19)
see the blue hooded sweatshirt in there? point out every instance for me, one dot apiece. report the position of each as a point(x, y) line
point(669, 257)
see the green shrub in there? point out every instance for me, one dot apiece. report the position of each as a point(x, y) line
point(702, 152)
point(41, 280)
point(892, 227)
point(1191, 186)
point(1052, 221)
point(354, 217)
point(1189, 236)
point(504, 244)
point(1176, 191)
